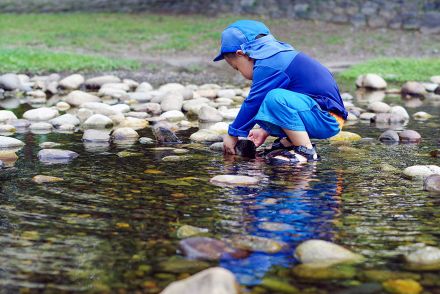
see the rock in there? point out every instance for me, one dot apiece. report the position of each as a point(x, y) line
point(115, 86)
point(187, 94)
point(215, 280)
point(7, 129)
point(172, 101)
point(125, 134)
point(77, 98)
point(186, 231)
point(209, 114)
point(126, 153)
point(122, 108)
point(19, 123)
point(144, 87)
point(151, 108)
point(217, 146)
point(62, 106)
point(194, 105)
point(227, 93)
point(40, 114)
point(278, 286)
point(224, 101)
point(40, 179)
point(40, 126)
point(313, 271)
point(383, 275)
point(430, 87)
point(347, 96)
point(421, 115)
point(132, 84)
point(245, 148)
point(275, 227)
point(134, 123)
point(172, 116)
point(435, 79)
point(92, 135)
point(72, 82)
point(257, 244)
point(171, 87)
point(46, 145)
point(410, 136)
point(367, 116)
point(139, 96)
point(98, 121)
point(418, 172)
point(220, 128)
point(345, 136)
point(235, 180)
point(320, 251)
point(388, 118)
point(10, 82)
point(7, 143)
point(351, 117)
point(230, 114)
point(65, 119)
point(113, 92)
point(165, 135)
point(206, 136)
point(379, 107)
point(402, 286)
point(97, 82)
point(6, 115)
point(146, 140)
point(36, 94)
point(413, 89)
point(426, 258)
point(400, 111)
point(389, 136)
point(207, 93)
point(207, 249)
point(372, 81)
point(67, 128)
point(56, 155)
point(177, 266)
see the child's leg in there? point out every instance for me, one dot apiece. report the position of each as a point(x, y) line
point(297, 138)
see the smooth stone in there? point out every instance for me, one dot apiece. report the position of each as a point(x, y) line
point(388, 118)
point(235, 180)
point(19, 123)
point(220, 128)
point(207, 93)
point(172, 116)
point(67, 128)
point(257, 244)
point(230, 114)
point(7, 142)
point(146, 140)
point(367, 116)
point(194, 105)
point(351, 117)
point(389, 136)
point(379, 107)
point(47, 145)
point(156, 96)
point(134, 123)
point(312, 271)
point(177, 266)
point(56, 155)
point(113, 92)
point(209, 114)
point(383, 275)
point(135, 114)
point(129, 154)
point(418, 172)
point(97, 82)
point(206, 136)
point(410, 136)
point(40, 126)
point(139, 96)
point(347, 96)
point(400, 111)
point(64, 120)
point(62, 106)
point(430, 87)
point(174, 158)
point(100, 108)
point(278, 286)
point(6, 115)
point(37, 94)
point(345, 136)
point(72, 82)
point(92, 135)
point(77, 98)
point(40, 179)
point(150, 108)
point(83, 114)
point(123, 108)
point(132, 84)
point(187, 93)
point(421, 115)
point(320, 251)
point(144, 87)
point(215, 280)
point(187, 231)
point(165, 135)
point(40, 114)
point(402, 286)
point(218, 146)
point(125, 133)
point(224, 101)
point(207, 248)
point(424, 259)
point(275, 227)
point(10, 82)
point(98, 121)
point(372, 81)
point(412, 88)
point(172, 101)
point(7, 129)
point(226, 93)
point(171, 87)
point(115, 86)
point(432, 183)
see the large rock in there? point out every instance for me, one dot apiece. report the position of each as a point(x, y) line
point(234, 180)
point(98, 121)
point(413, 89)
point(209, 114)
point(324, 252)
point(410, 136)
point(432, 183)
point(41, 114)
point(6, 115)
point(99, 81)
point(226, 93)
point(65, 119)
point(76, 98)
point(10, 82)
point(122, 134)
point(418, 172)
point(379, 107)
point(194, 105)
point(172, 101)
point(72, 82)
point(425, 258)
point(56, 155)
point(215, 280)
point(7, 142)
point(206, 136)
point(92, 135)
point(372, 81)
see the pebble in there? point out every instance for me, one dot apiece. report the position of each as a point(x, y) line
point(164, 135)
point(171, 87)
point(388, 118)
point(320, 251)
point(172, 116)
point(100, 108)
point(37, 94)
point(98, 121)
point(6, 115)
point(144, 87)
point(123, 108)
point(410, 136)
point(97, 82)
point(320, 272)
point(174, 158)
point(46, 145)
point(72, 82)
point(400, 111)
point(367, 116)
point(206, 136)
point(10, 82)
point(40, 179)
point(134, 123)
point(40, 114)
point(418, 172)
point(275, 227)
point(351, 117)
point(67, 128)
point(218, 146)
point(139, 96)
point(435, 79)
point(389, 136)
point(372, 81)
point(64, 120)
point(56, 155)
point(40, 126)
point(209, 114)
point(421, 115)
point(132, 84)
point(208, 249)
point(412, 88)
point(76, 98)
point(207, 93)
point(230, 114)
point(379, 107)
point(172, 101)
point(146, 140)
point(186, 231)
point(92, 135)
point(7, 142)
point(257, 244)
point(345, 136)
point(125, 133)
point(235, 180)
point(7, 129)
point(129, 154)
point(432, 183)
point(402, 286)
point(62, 106)
point(215, 280)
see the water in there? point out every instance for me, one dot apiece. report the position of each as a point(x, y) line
point(111, 224)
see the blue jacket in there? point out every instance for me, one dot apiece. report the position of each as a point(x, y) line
point(287, 69)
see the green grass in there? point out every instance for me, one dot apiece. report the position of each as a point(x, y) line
point(396, 70)
point(25, 60)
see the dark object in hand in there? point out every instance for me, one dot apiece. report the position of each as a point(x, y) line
point(245, 148)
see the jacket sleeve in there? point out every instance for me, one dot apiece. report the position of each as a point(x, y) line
point(264, 79)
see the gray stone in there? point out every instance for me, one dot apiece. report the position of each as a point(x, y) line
point(413, 89)
point(92, 135)
point(234, 180)
point(432, 183)
point(186, 231)
point(97, 82)
point(204, 248)
point(7, 142)
point(98, 121)
point(100, 108)
point(76, 98)
point(367, 116)
point(257, 244)
point(418, 172)
point(218, 146)
point(56, 155)
point(172, 116)
point(40, 114)
point(125, 134)
point(65, 119)
point(10, 82)
point(372, 81)
point(171, 87)
point(400, 111)
point(389, 136)
point(146, 140)
point(144, 87)
point(209, 114)
point(139, 96)
point(425, 258)
point(165, 135)
point(379, 107)
point(172, 101)
point(72, 82)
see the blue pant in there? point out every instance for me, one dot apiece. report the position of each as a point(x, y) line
point(284, 109)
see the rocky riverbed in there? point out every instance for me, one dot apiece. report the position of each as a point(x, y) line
point(111, 183)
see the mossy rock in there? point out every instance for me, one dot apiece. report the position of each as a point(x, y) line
point(279, 286)
point(316, 272)
point(179, 265)
point(345, 136)
point(402, 286)
point(384, 275)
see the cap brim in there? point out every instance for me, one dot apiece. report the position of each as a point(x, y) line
point(219, 57)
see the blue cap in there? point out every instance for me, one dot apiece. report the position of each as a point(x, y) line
point(238, 33)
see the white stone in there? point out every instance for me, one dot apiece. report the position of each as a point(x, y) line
point(7, 142)
point(421, 115)
point(224, 101)
point(123, 108)
point(346, 96)
point(62, 106)
point(115, 93)
point(227, 93)
point(172, 101)
point(40, 126)
point(230, 114)
point(194, 105)
point(134, 123)
point(7, 129)
point(208, 93)
point(100, 108)
point(172, 115)
point(92, 135)
point(56, 154)
point(144, 87)
point(65, 119)
point(367, 116)
point(435, 79)
point(40, 114)
point(379, 107)
point(373, 81)
point(132, 84)
point(320, 251)
point(72, 82)
point(215, 280)
point(98, 121)
point(399, 110)
point(99, 81)
point(6, 115)
point(76, 98)
point(36, 94)
point(171, 87)
point(67, 128)
point(220, 128)
point(10, 82)
point(351, 117)
point(421, 171)
point(83, 114)
point(125, 134)
point(140, 96)
point(413, 88)
point(206, 136)
point(209, 114)
point(430, 87)
point(424, 256)
point(235, 180)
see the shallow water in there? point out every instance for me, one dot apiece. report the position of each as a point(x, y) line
point(111, 223)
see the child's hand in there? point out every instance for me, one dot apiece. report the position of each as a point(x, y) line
point(258, 136)
point(229, 143)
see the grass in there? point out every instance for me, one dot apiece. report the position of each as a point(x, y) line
point(396, 70)
point(28, 60)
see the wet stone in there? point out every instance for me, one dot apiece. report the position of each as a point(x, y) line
point(186, 231)
point(6, 115)
point(146, 140)
point(432, 183)
point(388, 118)
point(164, 135)
point(410, 136)
point(39, 179)
point(234, 180)
point(421, 115)
point(125, 134)
point(65, 119)
point(426, 258)
point(179, 265)
point(129, 154)
point(56, 155)
point(279, 286)
point(208, 249)
point(7, 142)
point(345, 136)
point(418, 172)
point(206, 136)
point(383, 275)
point(275, 227)
point(40, 114)
point(257, 244)
point(389, 136)
point(413, 89)
point(379, 107)
point(76, 98)
point(402, 286)
point(47, 145)
point(317, 272)
point(92, 135)
point(217, 146)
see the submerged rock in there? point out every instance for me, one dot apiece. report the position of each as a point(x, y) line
point(425, 258)
point(257, 244)
point(146, 140)
point(320, 251)
point(215, 280)
point(208, 249)
point(383, 275)
point(39, 179)
point(399, 111)
point(278, 286)
point(421, 171)
point(410, 136)
point(314, 271)
point(432, 183)
point(186, 231)
point(56, 155)
point(402, 286)
point(234, 180)
point(165, 135)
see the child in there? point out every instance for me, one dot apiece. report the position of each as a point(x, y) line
point(292, 96)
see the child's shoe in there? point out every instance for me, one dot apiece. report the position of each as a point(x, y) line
point(296, 154)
